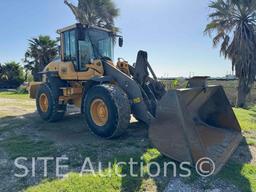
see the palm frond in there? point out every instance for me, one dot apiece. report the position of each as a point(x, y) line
point(234, 23)
point(95, 12)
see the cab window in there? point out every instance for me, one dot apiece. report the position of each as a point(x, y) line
point(85, 53)
point(70, 53)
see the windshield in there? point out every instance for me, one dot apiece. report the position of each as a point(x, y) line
point(96, 44)
point(102, 43)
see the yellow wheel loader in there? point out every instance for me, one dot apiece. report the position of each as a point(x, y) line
point(185, 125)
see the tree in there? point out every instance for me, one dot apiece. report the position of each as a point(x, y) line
point(1, 71)
point(41, 51)
point(233, 22)
point(95, 12)
point(11, 74)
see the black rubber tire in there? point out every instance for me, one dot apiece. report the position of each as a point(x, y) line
point(55, 111)
point(119, 110)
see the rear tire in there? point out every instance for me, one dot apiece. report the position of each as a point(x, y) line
point(47, 103)
point(115, 105)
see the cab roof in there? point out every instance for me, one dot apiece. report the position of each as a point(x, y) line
point(79, 25)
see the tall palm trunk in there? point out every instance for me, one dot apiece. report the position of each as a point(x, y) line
point(241, 95)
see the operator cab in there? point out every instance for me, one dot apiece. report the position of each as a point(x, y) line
point(81, 43)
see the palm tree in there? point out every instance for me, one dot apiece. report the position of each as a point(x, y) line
point(95, 12)
point(233, 23)
point(41, 51)
point(12, 71)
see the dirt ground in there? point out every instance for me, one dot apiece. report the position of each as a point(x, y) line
point(71, 138)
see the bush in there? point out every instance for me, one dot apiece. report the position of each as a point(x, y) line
point(29, 77)
point(22, 89)
point(175, 84)
point(11, 75)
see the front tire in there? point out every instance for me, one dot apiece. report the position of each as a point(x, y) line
point(47, 103)
point(107, 110)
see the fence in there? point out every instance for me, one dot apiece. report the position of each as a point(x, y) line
point(230, 87)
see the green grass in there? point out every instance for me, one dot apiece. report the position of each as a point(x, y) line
point(246, 118)
point(13, 95)
point(23, 146)
point(89, 182)
point(243, 176)
point(251, 141)
point(82, 183)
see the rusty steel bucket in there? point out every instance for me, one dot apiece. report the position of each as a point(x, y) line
point(195, 123)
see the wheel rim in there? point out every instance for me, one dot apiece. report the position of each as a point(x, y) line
point(99, 112)
point(43, 102)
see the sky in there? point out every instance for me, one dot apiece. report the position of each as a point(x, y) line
point(171, 31)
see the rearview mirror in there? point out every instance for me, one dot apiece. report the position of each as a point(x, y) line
point(120, 41)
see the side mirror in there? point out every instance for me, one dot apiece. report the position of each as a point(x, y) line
point(120, 41)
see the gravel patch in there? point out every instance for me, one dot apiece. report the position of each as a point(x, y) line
point(201, 185)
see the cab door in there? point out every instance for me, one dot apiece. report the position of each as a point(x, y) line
point(70, 47)
point(85, 53)
point(69, 67)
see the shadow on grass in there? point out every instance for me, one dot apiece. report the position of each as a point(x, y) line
point(32, 137)
point(9, 122)
point(238, 169)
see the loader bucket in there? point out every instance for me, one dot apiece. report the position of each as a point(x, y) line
point(196, 123)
